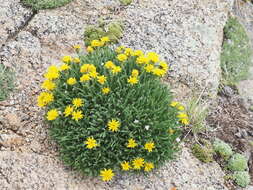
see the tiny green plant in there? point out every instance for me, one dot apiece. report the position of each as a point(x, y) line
point(203, 152)
point(236, 53)
point(109, 111)
point(114, 30)
point(125, 2)
point(44, 4)
point(197, 111)
point(6, 82)
point(237, 162)
point(242, 178)
point(222, 148)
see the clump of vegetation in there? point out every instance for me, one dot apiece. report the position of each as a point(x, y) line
point(114, 30)
point(109, 111)
point(237, 162)
point(236, 53)
point(125, 2)
point(203, 152)
point(197, 112)
point(222, 148)
point(242, 178)
point(44, 4)
point(6, 82)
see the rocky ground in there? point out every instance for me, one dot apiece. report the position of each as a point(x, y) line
point(186, 33)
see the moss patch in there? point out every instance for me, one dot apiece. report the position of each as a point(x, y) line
point(203, 152)
point(114, 30)
point(125, 2)
point(236, 53)
point(44, 4)
point(238, 162)
point(6, 82)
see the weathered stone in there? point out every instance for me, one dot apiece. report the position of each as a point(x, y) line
point(33, 171)
point(11, 140)
point(188, 34)
point(22, 53)
point(12, 17)
point(12, 121)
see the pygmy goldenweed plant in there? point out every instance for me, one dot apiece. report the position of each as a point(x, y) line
point(109, 111)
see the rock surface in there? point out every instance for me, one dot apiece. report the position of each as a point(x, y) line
point(13, 16)
point(162, 26)
point(34, 171)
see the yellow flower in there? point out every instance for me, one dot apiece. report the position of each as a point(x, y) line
point(149, 146)
point(119, 49)
point(174, 103)
point(77, 102)
point(122, 57)
point(158, 72)
point(76, 60)
point(142, 60)
point(45, 98)
point(125, 166)
point(116, 69)
point(85, 77)
point(68, 111)
point(96, 43)
point(128, 52)
point(135, 73)
point(52, 114)
point(113, 125)
point(138, 163)
point(105, 39)
point(152, 56)
point(132, 80)
point(183, 118)
point(101, 79)
point(71, 81)
point(85, 68)
point(77, 115)
point(149, 68)
point(64, 67)
point(66, 59)
point(77, 47)
point(180, 107)
point(138, 53)
point(52, 73)
point(109, 65)
point(93, 74)
point(53, 68)
point(90, 143)
point(131, 143)
point(89, 49)
point(48, 85)
point(106, 174)
point(171, 131)
point(105, 90)
point(185, 121)
point(182, 115)
point(148, 166)
point(164, 65)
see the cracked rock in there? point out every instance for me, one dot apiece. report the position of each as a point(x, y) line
point(13, 16)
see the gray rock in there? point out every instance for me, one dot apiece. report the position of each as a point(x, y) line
point(22, 53)
point(188, 34)
point(12, 121)
point(27, 171)
point(12, 17)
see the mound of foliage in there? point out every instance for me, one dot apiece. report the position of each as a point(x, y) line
point(44, 4)
point(6, 82)
point(236, 52)
point(109, 111)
